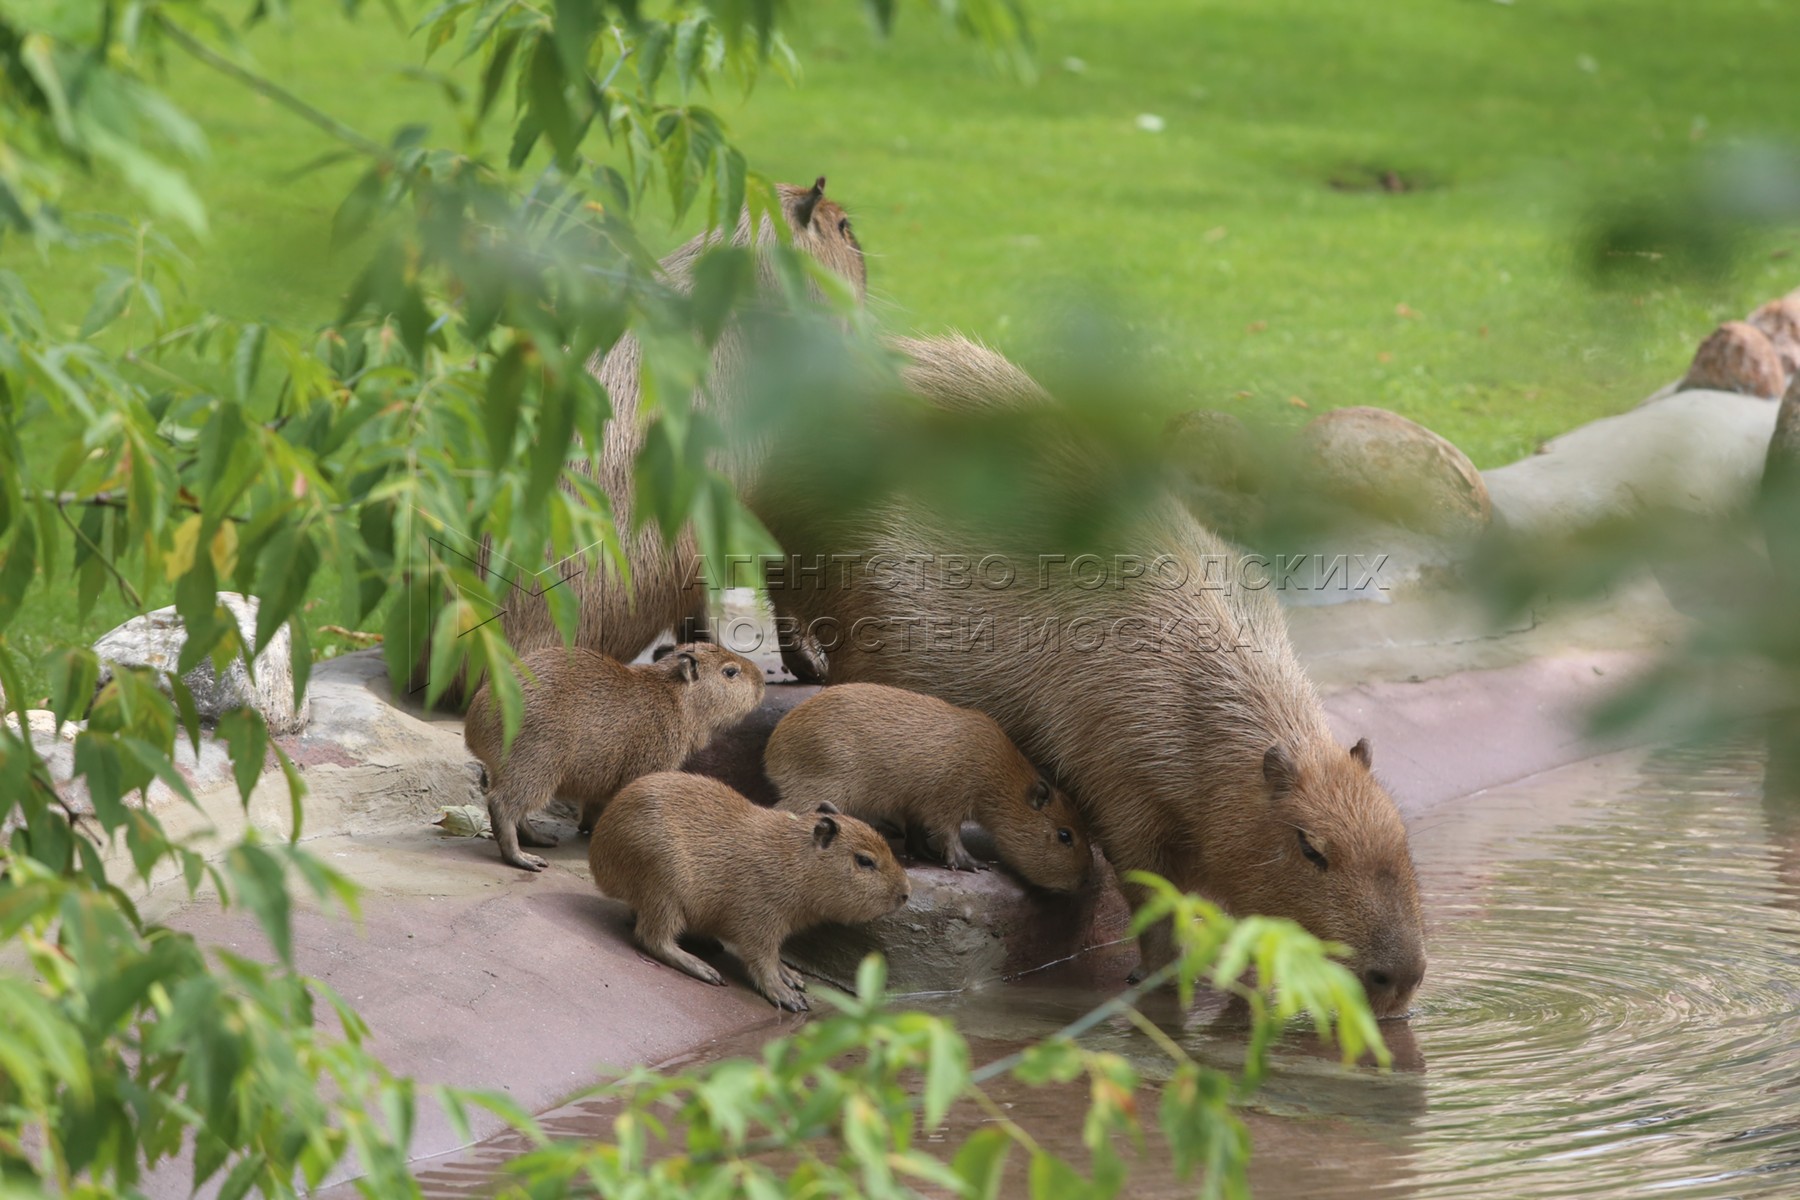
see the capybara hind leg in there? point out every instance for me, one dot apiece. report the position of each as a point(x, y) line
point(762, 962)
point(506, 836)
point(657, 933)
point(531, 835)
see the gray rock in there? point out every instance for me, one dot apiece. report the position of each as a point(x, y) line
point(1382, 465)
point(1698, 452)
point(155, 640)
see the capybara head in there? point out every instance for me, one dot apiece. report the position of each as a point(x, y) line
point(718, 688)
point(852, 876)
point(1325, 846)
point(822, 229)
point(1040, 835)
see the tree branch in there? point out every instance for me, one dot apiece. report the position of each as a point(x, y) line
point(200, 51)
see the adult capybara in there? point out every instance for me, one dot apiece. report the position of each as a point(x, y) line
point(621, 619)
point(1143, 663)
point(592, 724)
point(691, 855)
point(922, 767)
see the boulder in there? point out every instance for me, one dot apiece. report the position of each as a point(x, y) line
point(155, 640)
point(1693, 452)
point(1780, 320)
point(1380, 464)
point(1736, 357)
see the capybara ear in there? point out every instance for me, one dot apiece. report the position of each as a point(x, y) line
point(687, 666)
point(1362, 753)
point(825, 832)
point(803, 211)
point(1040, 794)
point(1278, 772)
point(661, 652)
point(826, 806)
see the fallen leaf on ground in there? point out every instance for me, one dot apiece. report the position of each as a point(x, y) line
point(464, 820)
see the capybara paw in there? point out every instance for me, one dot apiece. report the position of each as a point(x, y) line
point(586, 830)
point(962, 860)
point(527, 862)
point(792, 978)
point(788, 1000)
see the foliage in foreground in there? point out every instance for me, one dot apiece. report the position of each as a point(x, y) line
point(194, 452)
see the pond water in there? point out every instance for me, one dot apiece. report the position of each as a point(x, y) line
point(1612, 1010)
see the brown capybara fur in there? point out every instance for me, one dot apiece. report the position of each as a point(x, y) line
point(1171, 708)
point(592, 725)
point(922, 767)
point(690, 855)
point(665, 589)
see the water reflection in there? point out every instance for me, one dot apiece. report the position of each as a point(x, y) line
point(1613, 1010)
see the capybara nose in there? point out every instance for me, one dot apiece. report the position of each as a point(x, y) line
point(904, 897)
point(1391, 986)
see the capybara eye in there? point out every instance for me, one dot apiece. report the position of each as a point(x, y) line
point(1065, 837)
point(843, 224)
point(1311, 852)
point(732, 672)
point(864, 861)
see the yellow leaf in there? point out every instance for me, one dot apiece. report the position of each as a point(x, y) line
point(186, 541)
point(224, 550)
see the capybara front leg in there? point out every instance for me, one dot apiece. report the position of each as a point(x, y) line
point(506, 836)
point(956, 856)
point(762, 962)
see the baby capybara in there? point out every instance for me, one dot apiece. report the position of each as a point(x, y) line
point(690, 855)
point(913, 763)
point(593, 724)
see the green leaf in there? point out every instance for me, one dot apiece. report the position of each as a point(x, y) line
point(500, 416)
point(246, 360)
point(110, 299)
point(73, 675)
point(946, 1072)
point(981, 1163)
point(17, 570)
point(247, 739)
point(1054, 1179)
point(358, 209)
point(262, 886)
point(721, 277)
point(544, 85)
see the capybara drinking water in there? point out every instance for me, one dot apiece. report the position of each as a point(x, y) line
point(912, 762)
point(1152, 678)
point(690, 855)
point(592, 725)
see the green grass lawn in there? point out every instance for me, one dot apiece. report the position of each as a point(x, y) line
point(1241, 243)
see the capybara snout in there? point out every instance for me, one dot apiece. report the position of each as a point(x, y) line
point(1328, 849)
